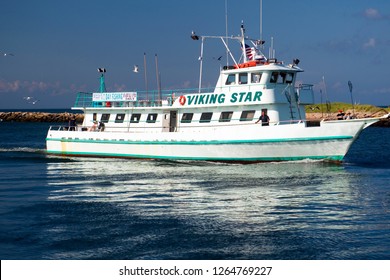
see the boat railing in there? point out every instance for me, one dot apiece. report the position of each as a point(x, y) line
point(151, 98)
point(143, 128)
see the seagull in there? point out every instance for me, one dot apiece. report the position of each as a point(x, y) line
point(31, 99)
point(135, 70)
point(194, 36)
point(8, 54)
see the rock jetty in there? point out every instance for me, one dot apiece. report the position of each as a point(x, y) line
point(39, 117)
point(315, 117)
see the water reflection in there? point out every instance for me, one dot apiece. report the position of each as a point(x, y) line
point(293, 195)
point(186, 210)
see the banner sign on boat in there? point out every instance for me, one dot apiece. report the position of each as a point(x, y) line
point(114, 96)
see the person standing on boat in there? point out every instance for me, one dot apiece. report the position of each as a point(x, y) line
point(72, 124)
point(101, 126)
point(340, 115)
point(264, 119)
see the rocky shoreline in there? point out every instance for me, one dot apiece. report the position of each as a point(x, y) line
point(65, 117)
point(333, 116)
point(39, 117)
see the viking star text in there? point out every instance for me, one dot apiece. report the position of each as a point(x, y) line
point(215, 98)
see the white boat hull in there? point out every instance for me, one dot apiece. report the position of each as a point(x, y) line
point(254, 143)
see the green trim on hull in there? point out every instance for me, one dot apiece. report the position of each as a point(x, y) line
point(254, 159)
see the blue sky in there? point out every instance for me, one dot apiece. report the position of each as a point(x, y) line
point(58, 45)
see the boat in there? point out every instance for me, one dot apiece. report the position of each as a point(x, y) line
point(223, 123)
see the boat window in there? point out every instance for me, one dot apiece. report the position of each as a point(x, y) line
point(243, 78)
point(231, 79)
point(151, 118)
point(135, 118)
point(105, 118)
point(247, 115)
point(256, 77)
point(206, 117)
point(282, 77)
point(187, 117)
point(289, 78)
point(120, 118)
point(226, 116)
point(274, 77)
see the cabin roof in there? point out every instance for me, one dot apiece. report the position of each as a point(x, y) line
point(265, 67)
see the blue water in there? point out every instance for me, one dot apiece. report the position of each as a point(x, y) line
point(86, 208)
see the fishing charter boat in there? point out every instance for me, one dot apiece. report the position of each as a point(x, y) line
point(256, 112)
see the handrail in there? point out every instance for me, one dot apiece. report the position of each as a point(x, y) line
point(110, 129)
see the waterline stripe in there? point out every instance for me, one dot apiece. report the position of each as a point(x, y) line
point(249, 159)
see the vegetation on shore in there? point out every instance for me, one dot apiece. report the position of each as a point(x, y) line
point(334, 107)
point(329, 111)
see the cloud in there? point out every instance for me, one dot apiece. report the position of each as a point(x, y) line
point(9, 86)
point(27, 86)
point(30, 87)
point(374, 14)
point(371, 43)
point(382, 90)
point(120, 87)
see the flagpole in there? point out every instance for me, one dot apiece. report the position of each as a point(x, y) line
point(201, 64)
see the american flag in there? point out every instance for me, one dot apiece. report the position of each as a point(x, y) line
point(249, 52)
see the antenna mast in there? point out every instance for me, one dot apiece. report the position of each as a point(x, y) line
point(158, 79)
point(226, 32)
point(261, 21)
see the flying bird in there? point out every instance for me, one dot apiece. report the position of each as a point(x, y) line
point(135, 70)
point(31, 99)
point(8, 54)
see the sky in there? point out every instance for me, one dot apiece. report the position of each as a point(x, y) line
point(57, 46)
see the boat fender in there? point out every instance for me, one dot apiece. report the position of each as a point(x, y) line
point(182, 100)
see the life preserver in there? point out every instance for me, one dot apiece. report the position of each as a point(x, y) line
point(182, 100)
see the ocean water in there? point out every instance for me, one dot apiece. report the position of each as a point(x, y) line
point(87, 208)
